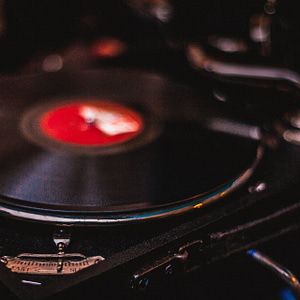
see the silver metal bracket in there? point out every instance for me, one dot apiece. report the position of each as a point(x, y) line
point(51, 264)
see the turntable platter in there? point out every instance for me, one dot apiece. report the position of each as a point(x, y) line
point(112, 146)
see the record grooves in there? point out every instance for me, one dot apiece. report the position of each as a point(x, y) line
point(164, 162)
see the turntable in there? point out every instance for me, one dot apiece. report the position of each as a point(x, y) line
point(130, 166)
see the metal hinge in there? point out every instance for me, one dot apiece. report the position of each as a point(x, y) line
point(188, 258)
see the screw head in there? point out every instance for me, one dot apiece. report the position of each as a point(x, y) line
point(258, 188)
point(4, 260)
point(143, 283)
point(169, 270)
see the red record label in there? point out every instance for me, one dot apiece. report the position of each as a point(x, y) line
point(92, 123)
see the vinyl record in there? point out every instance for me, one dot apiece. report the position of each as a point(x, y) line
point(112, 146)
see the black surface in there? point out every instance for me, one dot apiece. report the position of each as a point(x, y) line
point(52, 24)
